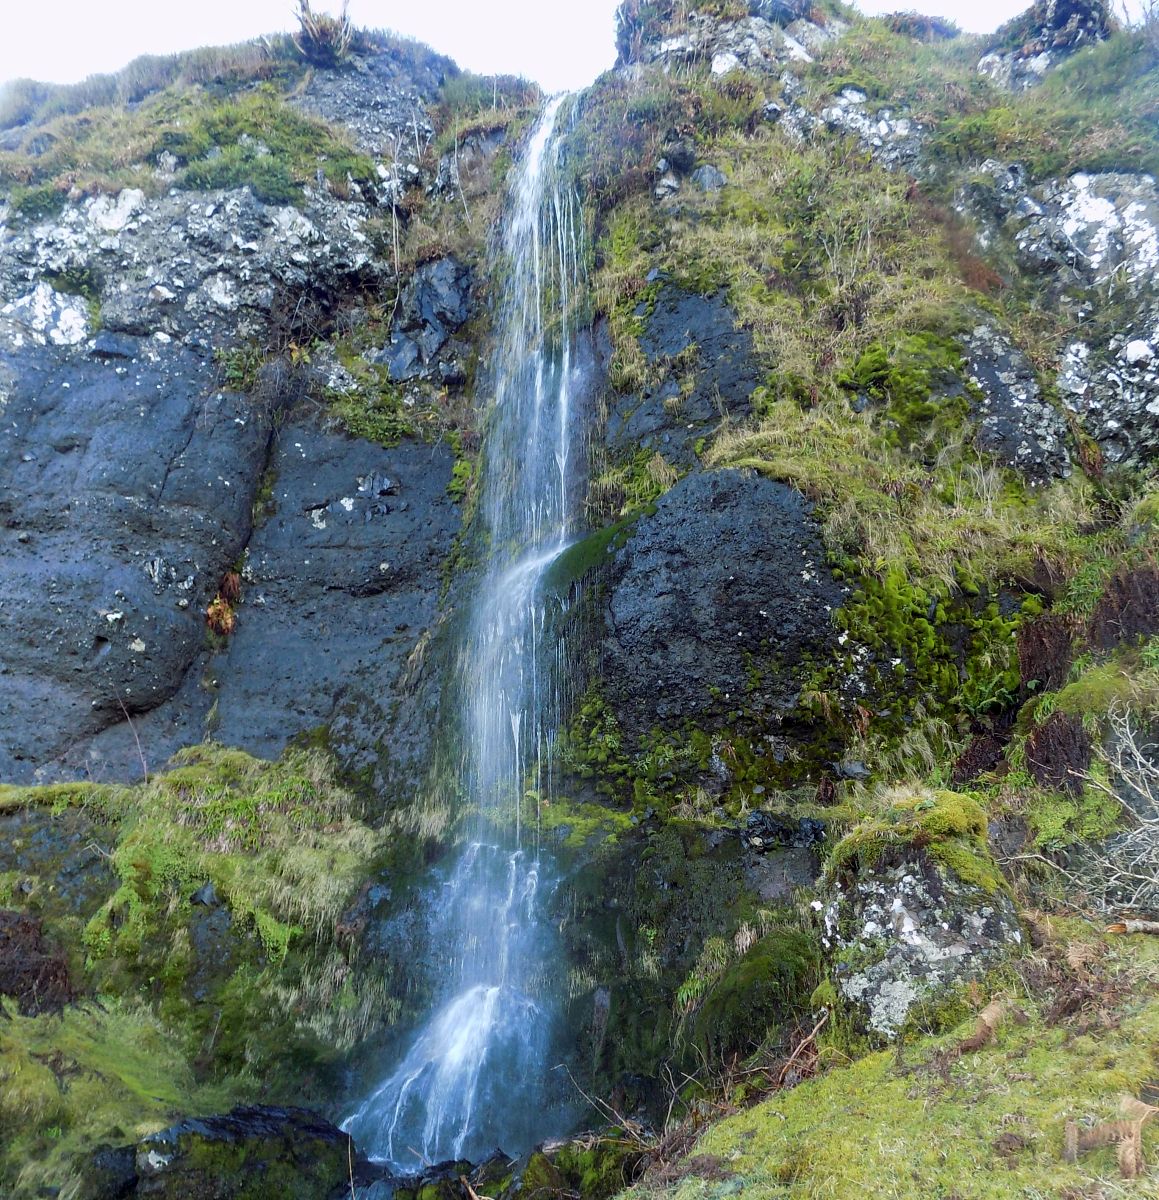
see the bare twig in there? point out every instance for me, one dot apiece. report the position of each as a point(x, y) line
point(471, 1193)
point(796, 1053)
point(630, 1127)
point(459, 182)
point(133, 731)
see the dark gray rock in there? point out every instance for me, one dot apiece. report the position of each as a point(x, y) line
point(708, 178)
point(1015, 423)
point(435, 303)
point(110, 1175)
point(782, 12)
point(128, 495)
point(717, 597)
point(764, 831)
point(339, 585)
point(382, 99)
point(715, 356)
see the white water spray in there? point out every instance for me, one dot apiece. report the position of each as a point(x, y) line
point(475, 1076)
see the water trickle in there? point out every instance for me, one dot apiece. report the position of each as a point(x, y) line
point(475, 1075)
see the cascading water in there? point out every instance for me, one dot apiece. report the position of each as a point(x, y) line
point(475, 1076)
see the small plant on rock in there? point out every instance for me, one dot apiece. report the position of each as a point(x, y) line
point(220, 616)
point(322, 39)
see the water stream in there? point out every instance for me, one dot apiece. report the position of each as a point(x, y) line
point(475, 1075)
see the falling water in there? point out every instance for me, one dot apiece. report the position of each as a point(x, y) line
point(475, 1075)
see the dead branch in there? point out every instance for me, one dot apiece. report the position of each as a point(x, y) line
point(808, 1041)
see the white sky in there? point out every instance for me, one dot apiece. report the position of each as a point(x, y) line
point(560, 43)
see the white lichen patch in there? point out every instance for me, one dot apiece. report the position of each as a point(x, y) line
point(46, 316)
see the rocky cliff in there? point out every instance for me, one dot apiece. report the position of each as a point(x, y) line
point(867, 614)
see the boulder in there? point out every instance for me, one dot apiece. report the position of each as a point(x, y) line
point(708, 178)
point(913, 904)
point(252, 1153)
point(718, 596)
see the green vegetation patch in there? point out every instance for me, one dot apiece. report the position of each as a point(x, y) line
point(100, 1073)
point(250, 989)
point(950, 827)
point(985, 1125)
point(254, 138)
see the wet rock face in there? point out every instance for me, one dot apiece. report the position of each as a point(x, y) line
point(252, 1152)
point(905, 929)
point(339, 583)
point(718, 596)
point(1042, 37)
point(338, 586)
point(128, 490)
point(724, 373)
point(1015, 423)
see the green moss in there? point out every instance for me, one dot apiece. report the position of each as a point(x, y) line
point(586, 556)
point(462, 475)
point(593, 746)
point(240, 366)
point(283, 847)
point(572, 825)
point(844, 1133)
point(919, 381)
point(757, 995)
point(598, 1168)
point(950, 827)
point(38, 202)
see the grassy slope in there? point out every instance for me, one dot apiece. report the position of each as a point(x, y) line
point(982, 1125)
point(162, 1029)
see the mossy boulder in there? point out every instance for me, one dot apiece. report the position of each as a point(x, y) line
point(251, 1154)
point(721, 597)
point(756, 995)
point(914, 904)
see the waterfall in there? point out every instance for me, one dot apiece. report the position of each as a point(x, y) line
point(475, 1074)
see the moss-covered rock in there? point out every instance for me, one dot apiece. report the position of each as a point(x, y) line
point(914, 904)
